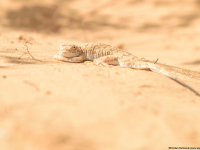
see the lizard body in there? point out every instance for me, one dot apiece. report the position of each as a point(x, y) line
point(106, 55)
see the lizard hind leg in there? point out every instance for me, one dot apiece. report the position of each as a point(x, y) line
point(105, 61)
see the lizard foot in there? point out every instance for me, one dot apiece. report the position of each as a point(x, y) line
point(57, 57)
point(100, 64)
point(89, 62)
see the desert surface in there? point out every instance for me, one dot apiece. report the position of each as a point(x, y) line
point(48, 104)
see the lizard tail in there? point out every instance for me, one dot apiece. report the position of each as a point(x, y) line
point(173, 78)
point(154, 67)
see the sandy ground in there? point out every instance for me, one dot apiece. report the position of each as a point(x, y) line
point(52, 105)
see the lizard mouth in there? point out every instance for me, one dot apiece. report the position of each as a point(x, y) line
point(68, 57)
point(66, 54)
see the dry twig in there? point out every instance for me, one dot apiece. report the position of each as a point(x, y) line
point(156, 61)
point(25, 44)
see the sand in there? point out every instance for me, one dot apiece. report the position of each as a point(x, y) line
point(49, 105)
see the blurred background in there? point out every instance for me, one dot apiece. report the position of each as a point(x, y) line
point(136, 15)
point(144, 25)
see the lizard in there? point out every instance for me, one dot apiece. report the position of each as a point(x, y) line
point(105, 55)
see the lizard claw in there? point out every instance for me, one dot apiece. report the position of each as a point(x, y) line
point(101, 64)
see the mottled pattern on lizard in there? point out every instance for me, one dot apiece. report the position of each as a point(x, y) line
point(103, 54)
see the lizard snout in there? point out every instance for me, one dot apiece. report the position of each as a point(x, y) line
point(61, 46)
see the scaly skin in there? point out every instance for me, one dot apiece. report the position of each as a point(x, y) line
point(103, 54)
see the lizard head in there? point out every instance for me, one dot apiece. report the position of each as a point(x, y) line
point(69, 51)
